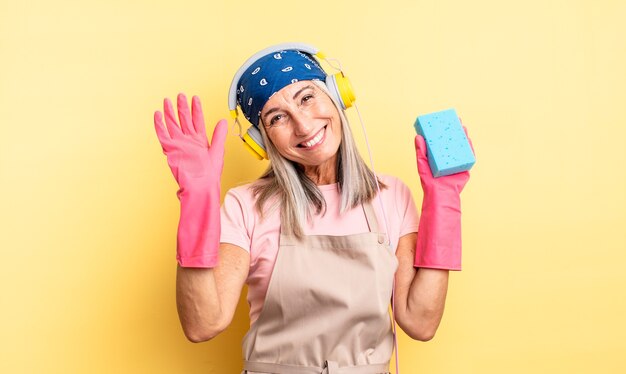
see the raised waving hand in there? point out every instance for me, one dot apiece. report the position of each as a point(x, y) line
point(197, 167)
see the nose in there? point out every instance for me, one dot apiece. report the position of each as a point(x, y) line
point(301, 122)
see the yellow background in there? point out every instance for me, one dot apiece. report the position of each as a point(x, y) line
point(89, 211)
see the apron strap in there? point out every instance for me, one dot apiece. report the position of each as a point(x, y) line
point(370, 216)
point(372, 221)
point(330, 367)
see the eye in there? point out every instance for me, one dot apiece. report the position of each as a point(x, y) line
point(275, 119)
point(307, 98)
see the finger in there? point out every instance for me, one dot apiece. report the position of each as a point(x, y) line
point(183, 114)
point(162, 134)
point(170, 120)
point(219, 137)
point(198, 117)
point(422, 157)
point(469, 140)
point(420, 147)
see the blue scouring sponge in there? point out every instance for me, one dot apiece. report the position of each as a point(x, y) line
point(449, 151)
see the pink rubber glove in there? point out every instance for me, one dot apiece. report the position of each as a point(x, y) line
point(439, 233)
point(197, 167)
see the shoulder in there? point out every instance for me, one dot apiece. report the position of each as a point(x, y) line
point(238, 214)
point(387, 178)
point(242, 192)
point(397, 192)
point(238, 203)
point(243, 198)
point(399, 198)
point(393, 183)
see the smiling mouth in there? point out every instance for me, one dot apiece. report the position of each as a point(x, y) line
point(317, 139)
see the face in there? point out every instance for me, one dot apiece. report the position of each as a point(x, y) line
point(303, 124)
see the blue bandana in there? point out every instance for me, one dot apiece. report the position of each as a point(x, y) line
point(270, 74)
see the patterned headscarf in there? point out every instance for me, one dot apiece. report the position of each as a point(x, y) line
point(269, 74)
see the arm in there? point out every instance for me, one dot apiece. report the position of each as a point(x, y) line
point(206, 298)
point(420, 293)
point(206, 292)
point(426, 258)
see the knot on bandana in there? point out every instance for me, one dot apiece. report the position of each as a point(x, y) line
point(269, 74)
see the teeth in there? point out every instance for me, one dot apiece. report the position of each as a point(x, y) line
point(315, 140)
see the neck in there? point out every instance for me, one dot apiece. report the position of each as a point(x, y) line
point(323, 174)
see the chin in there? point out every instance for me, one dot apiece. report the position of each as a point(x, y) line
point(317, 160)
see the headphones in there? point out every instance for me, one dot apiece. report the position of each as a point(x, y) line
point(338, 85)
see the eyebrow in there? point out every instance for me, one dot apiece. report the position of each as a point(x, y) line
point(294, 97)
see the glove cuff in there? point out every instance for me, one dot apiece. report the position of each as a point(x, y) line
point(199, 227)
point(439, 233)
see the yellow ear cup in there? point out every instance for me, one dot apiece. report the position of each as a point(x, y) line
point(254, 148)
point(345, 89)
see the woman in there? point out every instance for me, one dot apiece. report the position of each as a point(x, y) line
point(307, 236)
